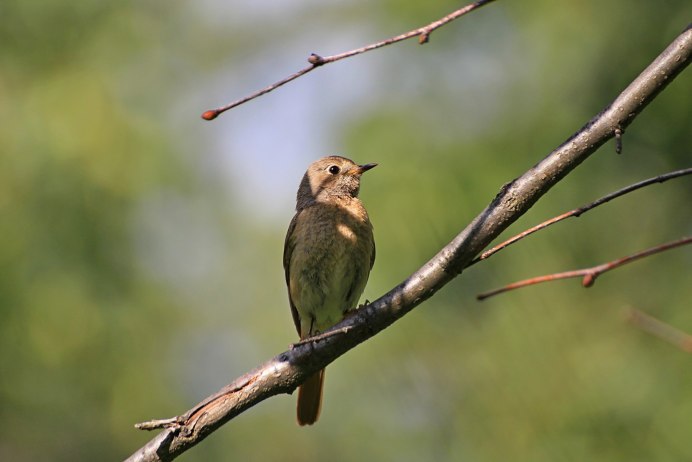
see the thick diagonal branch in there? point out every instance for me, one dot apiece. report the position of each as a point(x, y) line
point(283, 373)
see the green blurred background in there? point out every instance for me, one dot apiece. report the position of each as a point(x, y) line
point(140, 247)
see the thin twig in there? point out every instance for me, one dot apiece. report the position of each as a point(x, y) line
point(589, 275)
point(660, 329)
point(157, 423)
point(212, 114)
point(579, 211)
point(317, 338)
point(316, 60)
point(618, 140)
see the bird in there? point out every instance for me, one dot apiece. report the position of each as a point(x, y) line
point(328, 254)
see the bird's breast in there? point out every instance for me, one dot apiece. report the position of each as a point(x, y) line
point(330, 262)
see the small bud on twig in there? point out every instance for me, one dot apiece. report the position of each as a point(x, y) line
point(315, 59)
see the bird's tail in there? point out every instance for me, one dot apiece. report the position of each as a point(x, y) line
point(310, 399)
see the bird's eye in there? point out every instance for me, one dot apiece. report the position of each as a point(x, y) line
point(334, 169)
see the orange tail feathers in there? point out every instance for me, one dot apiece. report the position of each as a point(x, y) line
point(310, 399)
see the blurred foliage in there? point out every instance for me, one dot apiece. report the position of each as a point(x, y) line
point(140, 271)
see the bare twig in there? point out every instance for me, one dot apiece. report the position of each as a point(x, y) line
point(212, 114)
point(618, 140)
point(157, 423)
point(317, 338)
point(316, 60)
point(660, 329)
point(579, 211)
point(588, 275)
point(284, 372)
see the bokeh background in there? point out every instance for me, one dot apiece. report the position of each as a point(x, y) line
point(140, 247)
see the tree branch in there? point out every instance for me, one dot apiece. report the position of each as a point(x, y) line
point(589, 275)
point(284, 372)
point(316, 60)
point(581, 210)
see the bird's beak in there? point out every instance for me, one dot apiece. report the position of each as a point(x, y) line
point(360, 169)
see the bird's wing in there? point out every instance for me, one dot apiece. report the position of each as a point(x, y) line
point(372, 257)
point(289, 245)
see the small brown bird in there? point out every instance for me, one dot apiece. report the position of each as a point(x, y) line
point(328, 254)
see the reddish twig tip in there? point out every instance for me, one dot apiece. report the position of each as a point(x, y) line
point(210, 114)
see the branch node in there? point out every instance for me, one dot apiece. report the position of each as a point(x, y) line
point(424, 38)
point(187, 430)
point(589, 279)
point(315, 59)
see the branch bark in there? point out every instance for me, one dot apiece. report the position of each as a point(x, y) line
point(283, 373)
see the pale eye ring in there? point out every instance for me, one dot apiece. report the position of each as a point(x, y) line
point(334, 169)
